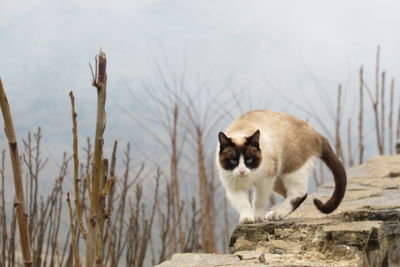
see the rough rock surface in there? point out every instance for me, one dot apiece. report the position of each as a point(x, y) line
point(363, 231)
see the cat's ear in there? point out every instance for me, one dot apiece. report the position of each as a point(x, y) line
point(224, 140)
point(254, 139)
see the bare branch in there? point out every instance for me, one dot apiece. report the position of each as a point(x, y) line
point(74, 241)
point(76, 168)
point(19, 191)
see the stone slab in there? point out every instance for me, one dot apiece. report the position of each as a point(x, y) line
point(363, 231)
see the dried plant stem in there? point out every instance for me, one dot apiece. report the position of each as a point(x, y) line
point(226, 234)
point(349, 143)
point(360, 118)
point(93, 244)
point(103, 194)
point(338, 142)
point(390, 122)
point(109, 187)
point(74, 241)
point(398, 124)
point(76, 168)
point(177, 231)
point(19, 191)
point(11, 247)
point(207, 229)
point(383, 79)
point(3, 211)
point(376, 103)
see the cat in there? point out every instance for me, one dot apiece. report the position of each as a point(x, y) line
point(272, 151)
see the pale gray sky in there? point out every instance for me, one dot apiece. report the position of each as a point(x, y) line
point(46, 46)
point(290, 47)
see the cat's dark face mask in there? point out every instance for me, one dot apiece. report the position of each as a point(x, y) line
point(245, 156)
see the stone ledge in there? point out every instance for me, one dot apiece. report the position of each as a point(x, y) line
point(363, 231)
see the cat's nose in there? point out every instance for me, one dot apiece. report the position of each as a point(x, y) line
point(241, 172)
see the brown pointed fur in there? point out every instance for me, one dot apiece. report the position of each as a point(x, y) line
point(286, 144)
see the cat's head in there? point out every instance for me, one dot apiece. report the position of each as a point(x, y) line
point(240, 155)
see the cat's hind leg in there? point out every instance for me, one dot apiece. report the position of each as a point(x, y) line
point(296, 184)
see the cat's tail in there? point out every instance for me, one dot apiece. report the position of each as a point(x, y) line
point(339, 174)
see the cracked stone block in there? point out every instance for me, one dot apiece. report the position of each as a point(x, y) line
point(199, 260)
point(363, 231)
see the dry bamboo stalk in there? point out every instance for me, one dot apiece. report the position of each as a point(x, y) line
point(87, 185)
point(76, 167)
point(177, 231)
point(225, 229)
point(147, 224)
point(3, 210)
point(211, 202)
point(375, 104)
point(93, 253)
point(99, 245)
point(109, 187)
point(398, 131)
point(207, 230)
point(107, 191)
point(74, 241)
point(11, 246)
point(398, 124)
point(164, 222)
point(338, 142)
point(383, 79)
point(377, 73)
point(104, 191)
point(377, 127)
point(390, 134)
point(19, 190)
point(349, 143)
point(120, 211)
point(29, 185)
point(360, 118)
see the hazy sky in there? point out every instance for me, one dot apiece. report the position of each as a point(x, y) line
point(258, 44)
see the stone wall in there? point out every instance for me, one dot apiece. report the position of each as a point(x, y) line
point(363, 231)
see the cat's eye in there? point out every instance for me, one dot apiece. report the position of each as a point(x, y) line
point(233, 161)
point(249, 160)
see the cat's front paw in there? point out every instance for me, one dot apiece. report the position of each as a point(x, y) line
point(259, 215)
point(246, 218)
point(259, 219)
point(275, 215)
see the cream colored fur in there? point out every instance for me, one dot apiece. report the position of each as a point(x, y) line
point(288, 147)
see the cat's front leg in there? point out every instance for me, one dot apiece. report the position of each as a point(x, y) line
point(262, 197)
point(240, 201)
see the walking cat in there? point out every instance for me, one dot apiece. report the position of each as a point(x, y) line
point(272, 151)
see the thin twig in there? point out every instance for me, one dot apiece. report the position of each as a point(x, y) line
point(75, 251)
point(76, 167)
point(383, 79)
point(360, 118)
point(338, 142)
point(390, 134)
point(349, 143)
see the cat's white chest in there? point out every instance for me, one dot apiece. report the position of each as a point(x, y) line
point(238, 182)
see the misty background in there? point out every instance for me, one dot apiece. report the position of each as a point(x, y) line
point(288, 56)
point(262, 46)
